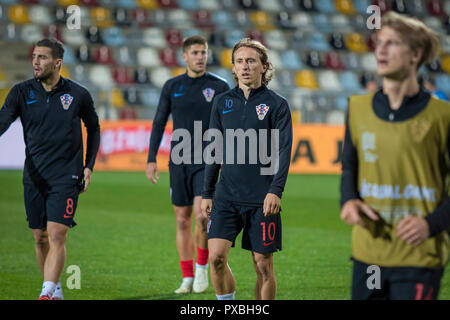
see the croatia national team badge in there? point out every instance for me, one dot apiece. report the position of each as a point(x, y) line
point(208, 93)
point(261, 111)
point(66, 100)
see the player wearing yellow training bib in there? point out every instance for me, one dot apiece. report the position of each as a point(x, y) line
point(395, 171)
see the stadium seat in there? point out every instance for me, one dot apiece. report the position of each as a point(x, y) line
point(104, 55)
point(303, 22)
point(269, 5)
point(140, 17)
point(328, 80)
point(369, 62)
point(147, 57)
point(307, 5)
point(359, 22)
point(101, 76)
point(285, 21)
point(189, 32)
point(361, 5)
point(349, 81)
point(93, 35)
point(434, 23)
point(131, 96)
point(160, 75)
point(306, 79)
point(125, 56)
point(150, 97)
point(248, 4)
point(178, 71)
point(174, 37)
point(322, 23)
point(345, 7)
point(84, 54)
point(261, 20)
point(31, 33)
point(285, 78)
point(337, 41)
point(154, 37)
point(341, 23)
point(121, 17)
point(443, 82)
point(341, 102)
point(168, 57)
point(69, 57)
point(59, 15)
point(446, 64)
point(222, 20)
point(326, 6)
point(80, 74)
point(242, 20)
point(202, 19)
point(275, 59)
point(291, 60)
point(322, 103)
point(148, 4)
point(128, 113)
point(400, 6)
point(300, 40)
point(335, 117)
point(116, 98)
point(64, 72)
point(382, 4)
point(213, 60)
point(85, 17)
point(67, 3)
point(445, 43)
point(189, 5)
point(318, 42)
point(113, 37)
point(167, 4)
point(290, 5)
point(18, 14)
point(351, 61)
point(435, 8)
point(176, 18)
point(89, 3)
point(415, 7)
point(355, 42)
point(209, 5)
point(73, 37)
point(53, 31)
point(225, 58)
point(333, 61)
point(275, 39)
point(40, 15)
point(256, 35)
point(121, 75)
point(141, 75)
point(231, 37)
point(101, 17)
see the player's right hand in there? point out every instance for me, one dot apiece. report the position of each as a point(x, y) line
point(206, 207)
point(353, 209)
point(152, 172)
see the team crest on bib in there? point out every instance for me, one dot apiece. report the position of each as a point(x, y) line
point(208, 93)
point(261, 111)
point(66, 101)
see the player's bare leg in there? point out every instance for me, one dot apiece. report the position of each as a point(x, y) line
point(266, 285)
point(41, 247)
point(55, 258)
point(221, 275)
point(201, 240)
point(185, 246)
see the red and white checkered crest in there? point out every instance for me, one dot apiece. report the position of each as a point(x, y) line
point(261, 111)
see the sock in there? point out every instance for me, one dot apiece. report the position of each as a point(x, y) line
point(47, 288)
point(201, 266)
point(202, 256)
point(58, 291)
point(187, 268)
point(228, 296)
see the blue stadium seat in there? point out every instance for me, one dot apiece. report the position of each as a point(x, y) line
point(189, 5)
point(443, 82)
point(326, 6)
point(229, 5)
point(275, 39)
point(361, 5)
point(125, 56)
point(322, 22)
point(349, 81)
point(341, 102)
point(69, 57)
point(341, 23)
point(9, 1)
point(317, 41)
point(291, 60)
point(303, 21)
point(113, 37)
point(231, 37)
point(222, 20)
point(128, 4)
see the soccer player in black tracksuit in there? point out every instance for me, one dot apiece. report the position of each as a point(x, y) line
point(245, 198)
point(50, 108)
point(188, 98)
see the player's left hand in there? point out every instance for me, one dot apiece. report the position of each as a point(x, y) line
point(87, 179)
point(271, 204)
point(413, 230)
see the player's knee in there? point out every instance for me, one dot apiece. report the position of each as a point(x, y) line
point(41, 239)
point(264, 268)
point(183, 223)
point(217, 261)
point(201, 222)
point(57, 238)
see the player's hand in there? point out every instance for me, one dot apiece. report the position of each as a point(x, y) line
point(152, 172)
point(413, 230)
point(206, 207)
point(271, 204)
point(353, 209)
point(87, 179)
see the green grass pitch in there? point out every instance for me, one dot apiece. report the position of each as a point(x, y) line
point(124, 243)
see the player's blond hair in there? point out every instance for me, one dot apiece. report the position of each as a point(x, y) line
point(415, 33)
point(263, 56)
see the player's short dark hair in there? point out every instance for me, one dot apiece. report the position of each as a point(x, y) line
point(194, 40)
point(263, 56)
point(57, 48)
